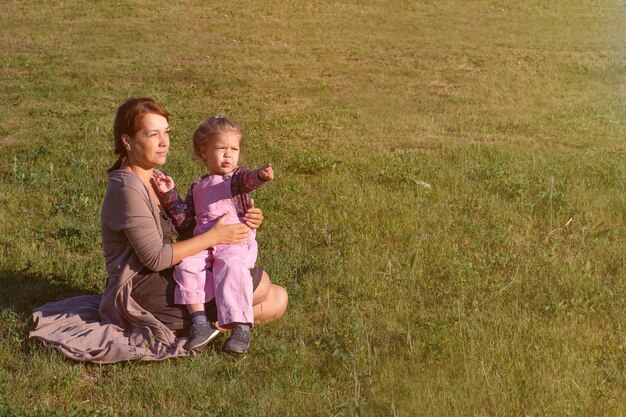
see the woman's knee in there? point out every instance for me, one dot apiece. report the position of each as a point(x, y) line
point(262, 291)
point(280, 299)
point(273, 307)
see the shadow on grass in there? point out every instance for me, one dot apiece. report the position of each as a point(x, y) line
point(22, 291)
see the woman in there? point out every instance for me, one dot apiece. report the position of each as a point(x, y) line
point(135, 318)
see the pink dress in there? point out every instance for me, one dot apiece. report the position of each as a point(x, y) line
point(223, 271)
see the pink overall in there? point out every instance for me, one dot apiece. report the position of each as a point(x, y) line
point(223, 271)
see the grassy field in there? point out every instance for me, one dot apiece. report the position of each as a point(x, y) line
point(449, 213)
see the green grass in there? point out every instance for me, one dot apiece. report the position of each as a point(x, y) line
point(448, 216)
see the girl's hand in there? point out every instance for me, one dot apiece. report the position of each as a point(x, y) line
point(164, 183)
point(266, 173)
point(227, 234)
point(254, 216)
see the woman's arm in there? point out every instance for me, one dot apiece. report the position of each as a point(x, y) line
point(220, 233)
point(126, 210)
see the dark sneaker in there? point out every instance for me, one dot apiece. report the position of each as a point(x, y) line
point(201, 335)
point(239, 340)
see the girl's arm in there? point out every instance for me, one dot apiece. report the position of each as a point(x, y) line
point(182, 213)
point(243, 181)
point(249, 180)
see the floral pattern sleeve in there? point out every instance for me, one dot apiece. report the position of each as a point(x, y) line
point(244, 181)
point(182, 213)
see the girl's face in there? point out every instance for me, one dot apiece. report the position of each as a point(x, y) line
point(222, 153)
point(148, 147)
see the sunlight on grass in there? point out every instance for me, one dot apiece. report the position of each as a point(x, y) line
point(448, 213)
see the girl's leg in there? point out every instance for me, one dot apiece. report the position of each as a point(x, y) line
point(233, 290)
point(269, 301)
point(195, 308)
point(234, 293)
point(190, 276)
point(209, 292)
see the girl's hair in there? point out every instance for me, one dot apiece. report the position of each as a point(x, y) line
point(209, 129)
point(128, 122)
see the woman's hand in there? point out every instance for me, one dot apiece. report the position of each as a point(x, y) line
point(220, 233)
point(227, 234)
point(254, 216)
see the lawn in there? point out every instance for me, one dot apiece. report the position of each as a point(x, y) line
point(448, 215)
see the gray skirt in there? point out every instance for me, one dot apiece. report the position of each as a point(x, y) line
point(154, 291)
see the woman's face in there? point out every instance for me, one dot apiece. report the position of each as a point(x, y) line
point(148, 148)
point(222, 153)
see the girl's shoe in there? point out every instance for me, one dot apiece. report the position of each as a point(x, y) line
point(201, 335)
point(239, 340)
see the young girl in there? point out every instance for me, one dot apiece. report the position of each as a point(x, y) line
point(223, 271)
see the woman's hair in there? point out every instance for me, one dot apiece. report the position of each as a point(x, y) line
point(209, 129)
point(128, 122)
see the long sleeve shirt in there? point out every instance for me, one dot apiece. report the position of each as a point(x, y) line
point(183, 212)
